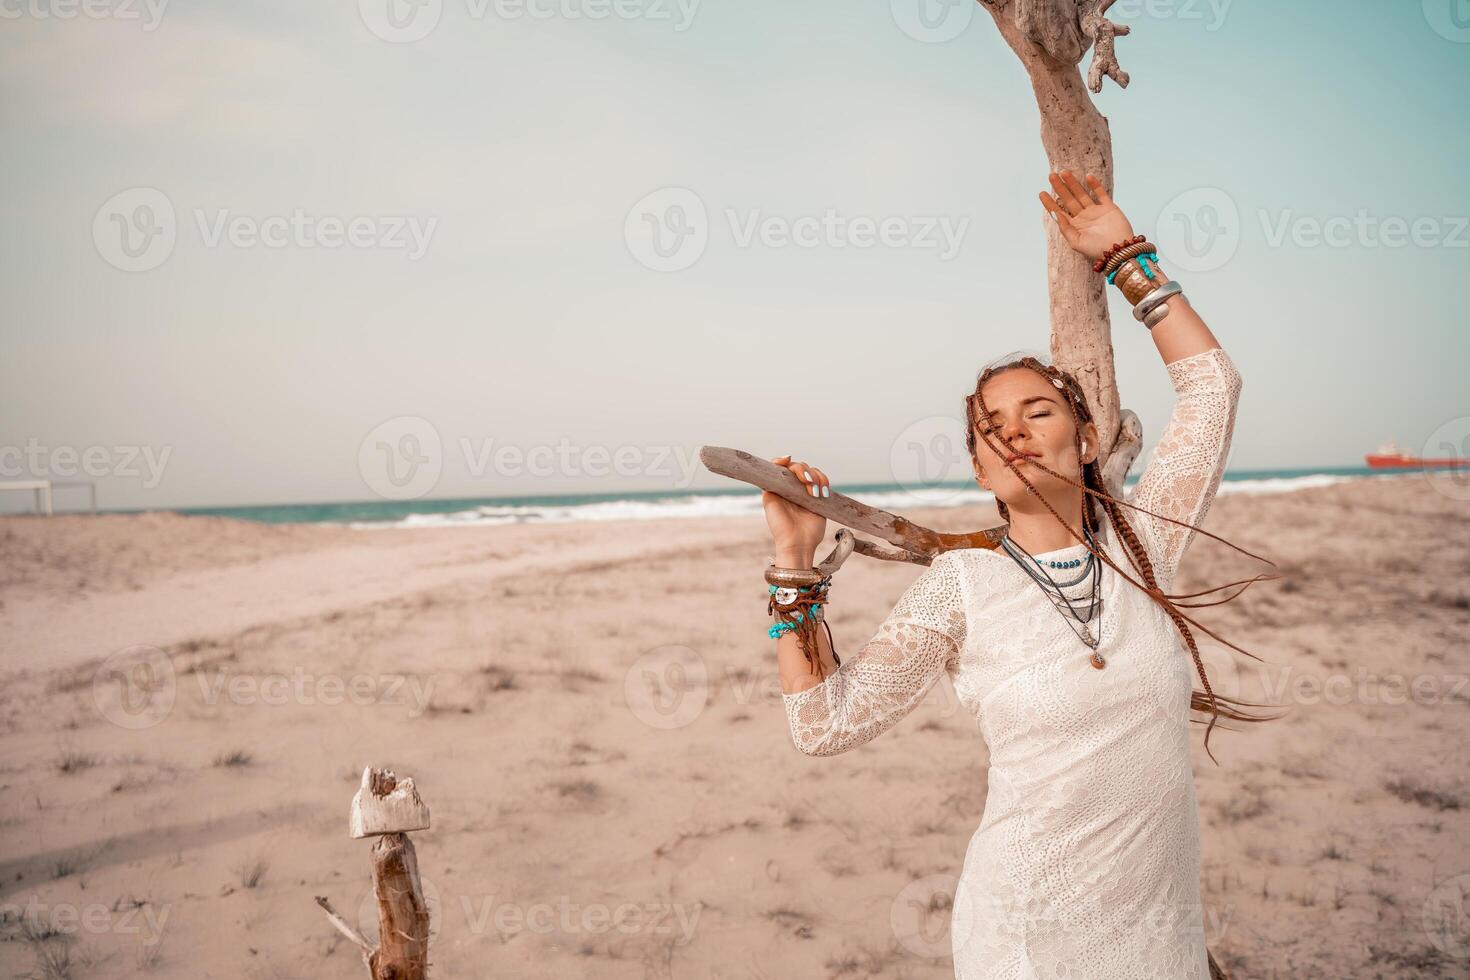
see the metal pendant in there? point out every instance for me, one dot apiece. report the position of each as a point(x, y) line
point(1097, 661)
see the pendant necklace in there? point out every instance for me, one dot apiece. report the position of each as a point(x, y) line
point(1076, 610)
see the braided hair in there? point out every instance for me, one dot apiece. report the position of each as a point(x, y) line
point(1096, 499)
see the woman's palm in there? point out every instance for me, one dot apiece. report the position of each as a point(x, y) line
point(1086, 216)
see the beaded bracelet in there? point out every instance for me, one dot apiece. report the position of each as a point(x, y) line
point(1101, 264)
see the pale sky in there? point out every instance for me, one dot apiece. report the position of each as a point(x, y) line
point(460, 233)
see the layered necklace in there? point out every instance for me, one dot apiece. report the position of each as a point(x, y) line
point(1077, 609)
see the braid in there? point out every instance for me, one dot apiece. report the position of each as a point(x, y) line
point(1095, 495)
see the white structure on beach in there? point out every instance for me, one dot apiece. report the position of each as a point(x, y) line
point(43, 491)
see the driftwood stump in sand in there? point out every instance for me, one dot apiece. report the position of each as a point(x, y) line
point(387, 807)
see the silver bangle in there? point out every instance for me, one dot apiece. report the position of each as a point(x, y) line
point(1155, 315)
point(1170, 288)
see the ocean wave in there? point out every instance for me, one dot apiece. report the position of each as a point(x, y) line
point(895, 499)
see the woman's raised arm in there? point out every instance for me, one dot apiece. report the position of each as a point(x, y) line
point(1185, 470)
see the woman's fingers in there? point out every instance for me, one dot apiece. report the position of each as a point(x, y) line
point(824, 485)
point(815, 481)
point(1103, 197)
point(1079, 193)
point(1066, 197)
point(1064, 223)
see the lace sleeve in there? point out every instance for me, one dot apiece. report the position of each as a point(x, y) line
point(1181, 479)
point(875, 687)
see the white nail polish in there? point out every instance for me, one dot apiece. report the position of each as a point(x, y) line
point(813, 491)
point(826, 491)
point(806, 476)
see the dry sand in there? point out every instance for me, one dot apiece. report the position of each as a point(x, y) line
point(592, 714)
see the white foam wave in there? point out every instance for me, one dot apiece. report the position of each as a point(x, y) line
point(727, 505)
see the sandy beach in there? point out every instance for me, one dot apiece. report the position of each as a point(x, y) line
point(592, 714)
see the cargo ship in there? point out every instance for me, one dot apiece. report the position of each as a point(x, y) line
point(1391, 457)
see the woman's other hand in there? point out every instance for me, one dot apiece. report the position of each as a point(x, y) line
point(1087, 217)
point(795, 530)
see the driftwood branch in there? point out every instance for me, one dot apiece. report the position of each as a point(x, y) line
point(1063, 30)
point(342, 926)
point(1075, 137)
point(915, 542)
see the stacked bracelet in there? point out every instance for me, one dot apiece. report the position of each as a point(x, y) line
point(1132, 266)
point(798, 609)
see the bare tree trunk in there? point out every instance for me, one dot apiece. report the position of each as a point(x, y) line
point(1076, 137)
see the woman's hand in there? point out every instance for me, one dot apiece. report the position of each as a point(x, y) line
point(1088, 219)
point(795, 530)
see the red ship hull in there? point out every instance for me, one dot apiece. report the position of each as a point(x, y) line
point(1400, 462)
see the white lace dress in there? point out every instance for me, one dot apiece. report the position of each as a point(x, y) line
point(1086, 862)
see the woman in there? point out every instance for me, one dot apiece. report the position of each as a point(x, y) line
point(1064, 644)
